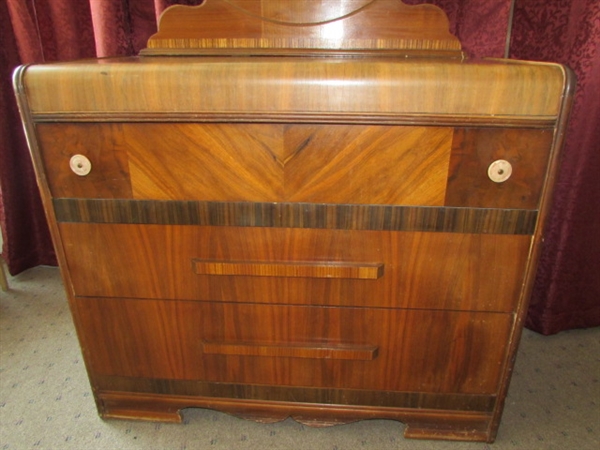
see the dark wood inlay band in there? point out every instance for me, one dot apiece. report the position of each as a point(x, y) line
point(463, 402)
point(297, 215)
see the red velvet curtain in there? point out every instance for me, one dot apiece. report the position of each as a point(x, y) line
point(481, 26)
point(567, 290)
point(44, 31)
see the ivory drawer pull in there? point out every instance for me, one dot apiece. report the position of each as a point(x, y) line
point(318, 351)
point(363, 271)
point(80, 165)
point(500, 171)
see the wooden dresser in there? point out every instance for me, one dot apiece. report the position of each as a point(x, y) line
point(321, 211)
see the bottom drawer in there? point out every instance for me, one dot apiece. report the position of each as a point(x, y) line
point(351, 348)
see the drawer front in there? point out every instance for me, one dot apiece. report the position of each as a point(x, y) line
point(346, 348)
point(343, 164)
point(297, 266)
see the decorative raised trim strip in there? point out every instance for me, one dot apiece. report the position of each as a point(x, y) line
point(306, 43)
point(307, 52)
point(295, 269)
point(130, 387)
point(315, 351)
point(496, 121)
point(298, 215)
point(280, 24)
point(293, 23)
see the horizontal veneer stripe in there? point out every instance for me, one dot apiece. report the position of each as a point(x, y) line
point(314, 351)
point(297, 215)
point(468, 402)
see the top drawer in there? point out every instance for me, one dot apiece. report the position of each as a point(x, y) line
point(344, 164)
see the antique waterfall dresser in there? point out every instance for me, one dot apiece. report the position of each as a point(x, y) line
point(318, 210)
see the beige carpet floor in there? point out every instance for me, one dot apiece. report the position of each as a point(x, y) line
point(46, 402)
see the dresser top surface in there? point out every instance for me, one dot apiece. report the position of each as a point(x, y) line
point(213, 84)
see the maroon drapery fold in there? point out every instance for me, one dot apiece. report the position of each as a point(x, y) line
point(481, 26)
point(123, 27)
point(44, 31)
point(24, 228)
point(567, 290)
point(32, 31)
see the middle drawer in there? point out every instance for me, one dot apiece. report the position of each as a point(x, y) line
point(427, 270)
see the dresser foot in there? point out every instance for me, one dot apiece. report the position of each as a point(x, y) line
point(420, 423)
point(477, 431)
point(116, 407)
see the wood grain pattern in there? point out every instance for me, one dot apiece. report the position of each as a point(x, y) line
point(298, 215)
point(474, 149)
point(109, 177)
point(109, 385)
point(461, 358)
point(289, 86)
point(367, 164)
point(273, 24)
point(276, 163)
point(300, 163)
point(253, 162)
point(213, 161)
point(296, 350)
point(422, 270)
point(300, 269)
point(333, 164)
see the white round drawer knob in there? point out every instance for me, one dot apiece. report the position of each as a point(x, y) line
point(80, 165)
point(500, 171)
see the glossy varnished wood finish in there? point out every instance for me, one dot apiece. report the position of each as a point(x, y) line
point(252, 162)
point(478, 403)
point(266, 26)
point(275, 89)
point(421, 270)
point(461, 359)
point(299, 269)
point(109, 177)
point(300, 163)
point(298, 215)
point(476, 148)
point(279, 163)
point(293, 350)
point(363, 164)
point(303, 163)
